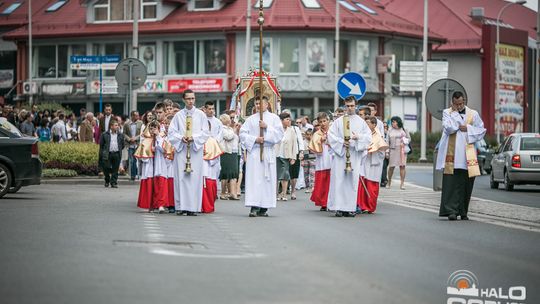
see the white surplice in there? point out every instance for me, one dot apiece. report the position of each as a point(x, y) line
point(344, 186)
point(211, 168)
point(450, 123)
point(188, 187)
point(261, 176)
point(373, 166)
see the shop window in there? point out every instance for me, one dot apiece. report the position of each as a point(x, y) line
point(344, 56)
point(44, 65)
point(195, 57)
point(404, 52)
point(78, 50)
point(147, 54)
point(289, 55)
point(316, 55)
point(266, 53)
point(62, 61)
point(362, 56)
point(114, 49)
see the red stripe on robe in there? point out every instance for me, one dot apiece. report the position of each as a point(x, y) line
point(170, 182)
point(365, 202)
point(321, 189)
point(209, 195)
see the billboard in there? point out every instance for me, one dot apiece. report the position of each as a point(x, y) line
point(510, 106)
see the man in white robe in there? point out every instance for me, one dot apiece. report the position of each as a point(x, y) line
point(261, 176)
point(344, 185)
point(462, 127)
point(188, 186)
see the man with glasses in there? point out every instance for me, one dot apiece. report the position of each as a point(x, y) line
point(343, 184)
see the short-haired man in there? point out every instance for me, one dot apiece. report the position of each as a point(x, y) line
point(364, 111)
point(462, 127)
point(188, 187)
point(132, 133)
point(105, 121)
point(261, 175)
point(343, 184)
point(110, 153)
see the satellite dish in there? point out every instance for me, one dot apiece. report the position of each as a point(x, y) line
point(439, 96)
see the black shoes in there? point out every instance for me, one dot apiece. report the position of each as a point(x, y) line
point(114, 185)
point(464, 218)
point(323, 209)
point(262, 213)
point(190, 213)
point(106, 184)
point(253, 214)
point(452, 217)
point(339, 214)
point(345, 214)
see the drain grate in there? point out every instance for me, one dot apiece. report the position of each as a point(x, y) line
point(136, 243)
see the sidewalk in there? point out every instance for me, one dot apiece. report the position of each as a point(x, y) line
point(423, 198)
point(122, 179)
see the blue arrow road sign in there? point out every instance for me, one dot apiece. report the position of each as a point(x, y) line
point(351, 84)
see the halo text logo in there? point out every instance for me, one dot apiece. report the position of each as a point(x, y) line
point(463, 288)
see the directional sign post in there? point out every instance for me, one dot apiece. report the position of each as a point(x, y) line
point(107, 62)
point(351, 84)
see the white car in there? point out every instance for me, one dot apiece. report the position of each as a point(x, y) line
point(516, 161)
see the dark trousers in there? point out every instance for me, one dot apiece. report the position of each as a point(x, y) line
point(111, 171)
point(456, 193)
point(132, 163)
point(384, 176)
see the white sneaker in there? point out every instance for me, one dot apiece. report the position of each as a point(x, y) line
point(161, 210)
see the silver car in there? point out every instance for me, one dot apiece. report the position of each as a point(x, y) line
point(516, 161)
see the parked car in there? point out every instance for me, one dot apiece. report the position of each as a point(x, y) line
point(485, 155)
point(517, 161)
point(19, 159)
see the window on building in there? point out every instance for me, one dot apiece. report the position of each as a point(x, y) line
point(366, 8)
point(44, 63)
point(266, 53)
point(149, 9)
point(404, 52)
point(78, 50)
point(195, 57)
point(62, 61)
point(311, 3)
point(10, 9)
point(289, 55)
point(214, 56)
point(122, 10)
point(56, 6)
point(344, 56)
point(180, 57)
point(147, 54)
point(316, 55)
point(114, 49)
point(203, 4)
point(362, 56)
point(348, 6)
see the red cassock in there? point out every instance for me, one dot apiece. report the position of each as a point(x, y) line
point(322, 186)
point(154, 198)
point(365, 202)
point(170, 183)
point(209, 195)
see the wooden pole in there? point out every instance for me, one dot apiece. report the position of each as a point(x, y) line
point(260, 21)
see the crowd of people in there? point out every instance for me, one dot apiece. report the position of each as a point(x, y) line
point(180, 155)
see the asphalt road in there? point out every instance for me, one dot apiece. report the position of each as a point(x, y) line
point(525, 195)
point(86, 244)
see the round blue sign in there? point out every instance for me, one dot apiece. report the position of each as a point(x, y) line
point(351, 84)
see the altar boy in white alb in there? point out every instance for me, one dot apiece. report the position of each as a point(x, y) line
point(344, 185)
point(261, 176)
point(462, 127)
point(188, 186)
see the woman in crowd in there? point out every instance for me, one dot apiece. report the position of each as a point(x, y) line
point(287, 152)
point(43, 131)
point(229, 160)
point(398, 139)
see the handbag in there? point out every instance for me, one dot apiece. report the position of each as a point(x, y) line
point(408, 149)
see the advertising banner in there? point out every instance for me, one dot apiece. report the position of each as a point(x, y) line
point(511, 96)
point(197, 85)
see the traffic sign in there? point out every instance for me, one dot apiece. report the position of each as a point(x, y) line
point(351, 84)
point(107, 62)
point(130, 74)
point(439, 96)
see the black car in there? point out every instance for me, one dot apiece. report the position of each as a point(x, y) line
point(19, 159)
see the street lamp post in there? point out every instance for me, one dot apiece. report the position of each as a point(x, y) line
point(497, 70)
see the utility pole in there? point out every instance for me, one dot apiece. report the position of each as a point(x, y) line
point(336, 56)
point(31, 96)
point(135, 50)
point(423, 127)
point(247, 56)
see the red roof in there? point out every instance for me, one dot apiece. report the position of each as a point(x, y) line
point(19, 17)
point(283, 15)
point(451, 19)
